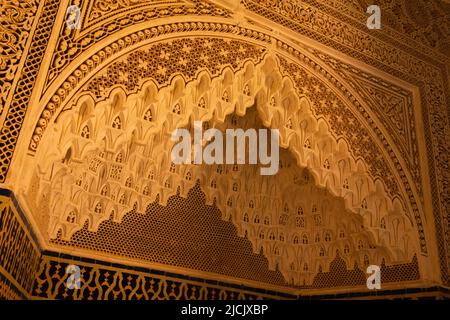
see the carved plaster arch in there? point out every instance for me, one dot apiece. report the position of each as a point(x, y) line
point(120, 125)
point(134, 38)
point(55, 99)
point(63, 93)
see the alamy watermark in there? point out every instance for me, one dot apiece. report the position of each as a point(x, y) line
point(374, 280)
point(374, 20)
point(73, 280)
point(73, 20)
point(259, 143)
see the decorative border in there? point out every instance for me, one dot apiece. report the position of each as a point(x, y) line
point(15, 116)
point(50, 277)
point(71, 44)
point(65, 91)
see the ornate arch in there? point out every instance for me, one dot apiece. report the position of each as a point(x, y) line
point(64, 92)
point(115, 132)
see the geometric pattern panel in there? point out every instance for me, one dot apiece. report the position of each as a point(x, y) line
point(19, 253)
point(296, 233)
point(100, 281)
point(40, 55)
